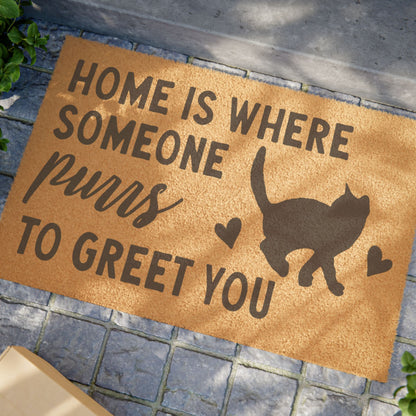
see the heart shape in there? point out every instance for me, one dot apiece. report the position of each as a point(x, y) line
point(229, 233)
point(375, 264)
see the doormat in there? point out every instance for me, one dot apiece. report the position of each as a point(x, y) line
point(249, 212)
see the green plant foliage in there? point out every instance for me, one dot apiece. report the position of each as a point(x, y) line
point(3, 142)
point(408, 403)
point(9, 9)
point(17, 35)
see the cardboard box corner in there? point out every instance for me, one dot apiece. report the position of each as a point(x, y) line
point(31, 386)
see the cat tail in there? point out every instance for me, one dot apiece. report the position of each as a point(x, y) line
point(257, 180)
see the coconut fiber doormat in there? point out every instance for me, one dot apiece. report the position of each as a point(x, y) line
point(250, 212)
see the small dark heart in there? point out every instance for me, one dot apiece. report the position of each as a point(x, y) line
point(229, 233)
point(375, 264)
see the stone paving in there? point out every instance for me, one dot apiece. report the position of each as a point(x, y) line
point(134, 366)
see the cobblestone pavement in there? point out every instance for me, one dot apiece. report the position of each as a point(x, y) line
point(134, 366)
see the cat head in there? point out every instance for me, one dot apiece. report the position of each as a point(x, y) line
point(347, 205)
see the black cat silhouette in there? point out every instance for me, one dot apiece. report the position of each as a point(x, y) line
point(307, 223)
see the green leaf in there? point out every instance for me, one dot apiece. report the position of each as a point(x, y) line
point(3, 144)
point(17, 57)
point(407, 358)
point(408, 407)
point(9, 9)
point(404, 405)
point(411, 382)
point(32, 31)
point(408, 362)
point(3, 51)
point(15, 35)
point(412, 408)
point(9, 66)
point(13, 72)
point(5, 84)
point(32, 53)
point(39, 42)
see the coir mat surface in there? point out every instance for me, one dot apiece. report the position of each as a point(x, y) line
point(246, 211)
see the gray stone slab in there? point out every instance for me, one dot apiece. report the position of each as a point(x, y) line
point(163, 53)
point(21, 292)
point(388, 109)
point(57, 35)
point(72, 346)
point(108, 40)
point(315, 401)
point(207, 342)
point(219, 67)
point(26, 95)
point(348, 382)
point(132, 365)
point(377, 408)
point(412, 264)
point(322, 92)
point(142, 324)
point(256, 392)
point(268, 79)
point(118, 407)
point(268, 358)
point(19, 325)
point(396, 377)
point(360, 48)
point(407, 323)
point(196, 383)
point(82, 308)
point(18, 135)
point(5, 186)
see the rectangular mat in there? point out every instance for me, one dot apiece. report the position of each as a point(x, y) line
point(246, 211)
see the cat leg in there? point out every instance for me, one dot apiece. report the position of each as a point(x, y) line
point(305, 277)
point(334, 286)
point(275, 257)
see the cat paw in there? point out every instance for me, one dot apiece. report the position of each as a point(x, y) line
point(283, 268)
point(275, 259)
point(337, 289)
